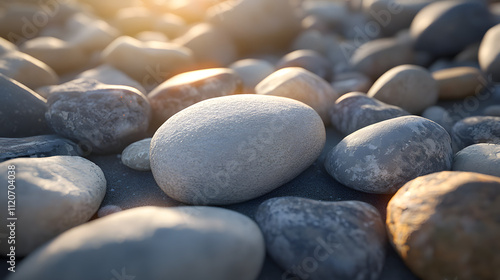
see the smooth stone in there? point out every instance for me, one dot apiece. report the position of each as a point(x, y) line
point(188, 88)
point(132, 20)
point(27, 70)
point(489, 53)
point(227, 150)
point(310, 40)
point(492, 110)
point(153, 243)
point(108, 210)
point(382, 157)
point(6, 46)
point(102, 118)
point(376, 57)
point(458, 82)
point(37, 146)
point(22, 111)
point(441, 116)
point(251, 72)
point(410, 87)
point(469, 54)
point(475, 130)
point(480, 158)
point(319, 240)
point(171, 25)
point(356, 110)
point(109, 75)
point(440, 28)
point(136, 155)
point(309, 60)
point(109, 8)
point(445, 225)
point(89, 33)
point(302, 85)
point(333, 14)
point(148, 36)
point(351, 81)
point(52, 195)
point(210, 45)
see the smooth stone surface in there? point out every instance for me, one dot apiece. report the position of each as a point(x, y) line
point(475, 130)
point(441, 116)
point(440, 28)
point(109, 75)
point(441, 220)
point(410, 87)
point(318, 240)
point(458, 82)
point(356, 110)
point(37, 146)
point(188, 88)
point(6, 46)
point(89, 33)
point(136, 155)
point(22, 111)
point(382, 157)
point(493, 110)
point(489, 53)
point(309, 60)
point(302, 85)
point(351, 81)
point(27, 70)
point(53, 195)
point(252, 71)
point(481, 158)
point(152, 243)
point(231, 149)
point(103, 118)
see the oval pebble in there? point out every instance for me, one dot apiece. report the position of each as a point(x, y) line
point(234, 148)
point(458, 82)
point(252, 72)
point(309, 60)
point(489, 53)
point(481, 158)
point(475, 130)
point(439, 115)
point(136, 155)
point(37, 146)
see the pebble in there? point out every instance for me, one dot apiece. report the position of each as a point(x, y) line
point(56, 194)
point(309, 60)
point(133, 20)
point(440, 28)
point(27, 70)
point(6, 46)
point(492, 110)
point(108, 210)
point(441, 116)
point(148, 36)
point(222, 244)
point(351, 81)
point(481, 158)
point(458, 82)
point(318, 240)
point(103, 118)
point(445, 225)
point(356, 110)
point(475, 130)
point(188, 88)
point(37, 146)
point(109, 75)
point(382, 157)
point(22, 111)
point(251, 72)
point(489, 53)
point(302, 85)
point(231, 149)
point(136, 155)
point(410, 87)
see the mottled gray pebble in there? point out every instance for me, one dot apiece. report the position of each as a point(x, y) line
point(475, 130)
point(37, 146)
point(481, 158)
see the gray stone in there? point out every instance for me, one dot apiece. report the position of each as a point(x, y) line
point(21, 110)
point(319, 240)
point(382, 157)
point(6, 46)
point(351, 81)
point(356, 110)
point(309, 60)
point(234, 148)
point(27, 70)
point(492, 110)
point(104, 118)
point(37, 146)
point(410, 87)
point(109, 75)
point(489, 53)
point(440, 28)
point(52, 195)
point(136, 155)
point(475, 130)
point(441, 116)
point(252, 72)
point(481, 158)
point(153, 243)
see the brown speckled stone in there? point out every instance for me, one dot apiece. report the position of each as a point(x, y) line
point(446, 225)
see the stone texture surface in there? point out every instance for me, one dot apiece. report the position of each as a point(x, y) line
point(323, 240)
point(458, 82)
point(37, 146)
point(382, 157)
point(52, 195)
point(232, 149)
point(445, 225)
point(136, 155)
point(481, 158)
point(151, 243)
point(489, 53)
point(475, 130)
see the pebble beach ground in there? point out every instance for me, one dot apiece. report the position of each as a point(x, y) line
point(249, 139)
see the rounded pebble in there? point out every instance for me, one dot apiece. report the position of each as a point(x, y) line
point(475, 130)
point(136, 155)
point(481, 158)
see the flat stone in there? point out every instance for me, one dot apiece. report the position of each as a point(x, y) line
point(37, 146)
point(458, 82)
point(317, 240)
point(356, 110)
point(223, 244)
point(475, 130)
point(309, 60)
point(445, 225)
point(489, 53)
point(382, 157)
point(52, 195)
point(136, 155)
point(231, 149)
point(441, 116)
point(27, 70)
point(102, 118)
point(302, 85)
point(351, 81)
point(410, 87)
point(480, 158)
point(252, 72)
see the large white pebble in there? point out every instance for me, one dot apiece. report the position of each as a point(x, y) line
point(234, 148)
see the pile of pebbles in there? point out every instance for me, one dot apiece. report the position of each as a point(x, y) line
point(250, 139)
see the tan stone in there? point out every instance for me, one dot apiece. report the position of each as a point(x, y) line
point(27, 70)
point(458, 82)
